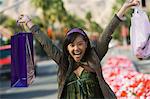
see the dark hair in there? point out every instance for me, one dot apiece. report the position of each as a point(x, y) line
point(69, 38)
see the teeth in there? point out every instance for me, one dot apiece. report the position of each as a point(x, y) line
point(77, 52)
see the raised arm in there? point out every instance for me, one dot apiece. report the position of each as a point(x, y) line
point(47, 44)
point(102, 44)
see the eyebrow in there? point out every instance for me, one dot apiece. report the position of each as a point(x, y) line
point(78, 42)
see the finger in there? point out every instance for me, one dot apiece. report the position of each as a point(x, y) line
point(129, 1)
point(21, 16)
point(20, 21)
point(136, 3)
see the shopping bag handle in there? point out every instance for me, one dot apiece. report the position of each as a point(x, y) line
point(138, 9)
point(21, 27)
point(30, 73)
point(29, 49)
point(146, 42)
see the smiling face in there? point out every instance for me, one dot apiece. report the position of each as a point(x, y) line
point(77, 48)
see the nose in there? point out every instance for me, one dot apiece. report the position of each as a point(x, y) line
point(76, 47)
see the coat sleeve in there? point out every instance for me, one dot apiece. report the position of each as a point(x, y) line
point(103, 42)
point(51, 49)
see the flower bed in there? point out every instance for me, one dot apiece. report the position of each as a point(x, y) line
point(124, 80)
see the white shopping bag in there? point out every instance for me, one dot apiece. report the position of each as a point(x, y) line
point(140, 34)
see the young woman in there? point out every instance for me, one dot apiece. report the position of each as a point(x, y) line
point(80, 74)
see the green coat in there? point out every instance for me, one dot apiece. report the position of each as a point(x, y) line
point(96, 55)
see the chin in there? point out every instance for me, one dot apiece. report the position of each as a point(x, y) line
point(77, 60)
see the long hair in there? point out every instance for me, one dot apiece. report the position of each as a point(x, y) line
point(69, 38)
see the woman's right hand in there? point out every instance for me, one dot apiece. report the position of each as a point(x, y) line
point(26, 20)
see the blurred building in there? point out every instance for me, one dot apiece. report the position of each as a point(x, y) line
point(13, 8)
point(101, 10)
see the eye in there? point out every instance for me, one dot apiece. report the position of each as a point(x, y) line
point(71, 45)
point(80, 44)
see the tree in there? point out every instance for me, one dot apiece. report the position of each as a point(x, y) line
point(93, 26)
point(53, 10)
point(8, 23)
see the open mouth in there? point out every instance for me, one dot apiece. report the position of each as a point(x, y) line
point(77, 55)
point(76, 52)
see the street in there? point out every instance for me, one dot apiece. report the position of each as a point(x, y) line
point(44, 86)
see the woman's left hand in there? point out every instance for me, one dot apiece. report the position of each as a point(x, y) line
point(128, 4)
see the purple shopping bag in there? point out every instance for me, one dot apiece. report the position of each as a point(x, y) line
point(22, 64)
